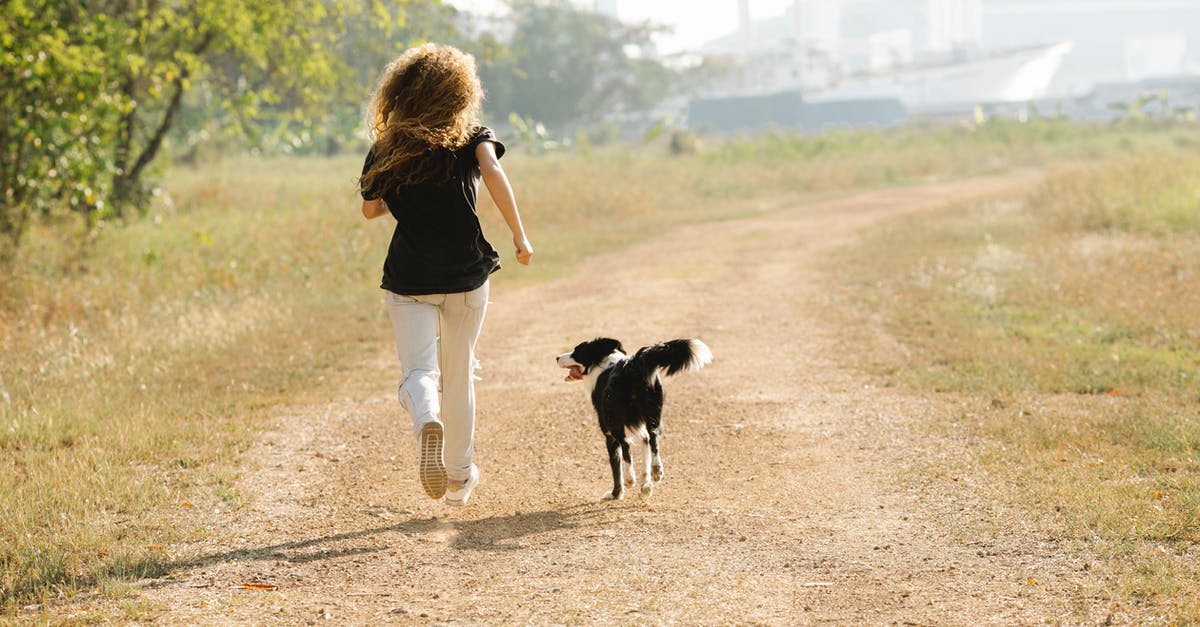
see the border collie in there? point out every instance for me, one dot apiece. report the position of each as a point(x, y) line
point(628, 397)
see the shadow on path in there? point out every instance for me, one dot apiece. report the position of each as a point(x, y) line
point(493, 534)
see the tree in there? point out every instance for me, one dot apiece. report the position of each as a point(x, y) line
point(54, 113)
point(367, 45)
point(565, 65)
point(366, 41)
point(250, 59)
point(92, 88)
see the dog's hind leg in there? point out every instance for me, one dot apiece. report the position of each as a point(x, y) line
point(614, 460)
point(656, 465)
point(627, 468)
point(647, 471)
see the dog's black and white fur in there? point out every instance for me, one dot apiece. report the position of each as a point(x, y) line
point(628, 397)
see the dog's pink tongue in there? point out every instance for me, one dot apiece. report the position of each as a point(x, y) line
point(575, 374)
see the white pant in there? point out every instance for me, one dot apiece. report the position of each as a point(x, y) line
point(416, 321)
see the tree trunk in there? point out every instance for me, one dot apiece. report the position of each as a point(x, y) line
point(127, 186)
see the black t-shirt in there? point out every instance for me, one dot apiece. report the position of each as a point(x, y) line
point(438, 246)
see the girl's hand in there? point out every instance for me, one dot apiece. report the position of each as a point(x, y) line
point(524, 250)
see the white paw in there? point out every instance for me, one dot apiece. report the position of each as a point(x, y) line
point(647, 489)
point(608, 496)
point(630, 480)
point(656, 472)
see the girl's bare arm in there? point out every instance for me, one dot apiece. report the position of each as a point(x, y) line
point(373, 208)
point(502, 194)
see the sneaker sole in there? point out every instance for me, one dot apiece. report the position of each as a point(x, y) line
point(432, 470)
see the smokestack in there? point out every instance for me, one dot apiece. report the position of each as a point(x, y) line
point(818, 37)
point(745, 26)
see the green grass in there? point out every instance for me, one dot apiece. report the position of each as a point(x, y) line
point(135, 369)
point(1068, 316)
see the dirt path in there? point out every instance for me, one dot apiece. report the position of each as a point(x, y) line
point(794, 490)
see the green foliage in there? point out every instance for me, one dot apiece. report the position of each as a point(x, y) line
point(248, 61)
point(91, 89)
point(55, 113)
point(363, 43)
point(533, 135)
point(565, 65)
point(1152, 106)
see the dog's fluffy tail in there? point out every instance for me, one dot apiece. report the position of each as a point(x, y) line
point(672, 357)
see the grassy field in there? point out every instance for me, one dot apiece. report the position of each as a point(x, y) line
point(1067, 319)
point(135, 370)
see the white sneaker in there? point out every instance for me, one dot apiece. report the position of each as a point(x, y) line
point(457, 492)
point(430, 468)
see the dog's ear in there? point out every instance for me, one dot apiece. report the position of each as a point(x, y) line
point(593, 351)
point(609, 345)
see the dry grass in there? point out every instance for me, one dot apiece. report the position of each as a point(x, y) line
point(132, 374)
point(1068, 319)
point(129, 383)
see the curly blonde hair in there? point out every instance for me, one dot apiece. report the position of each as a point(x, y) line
point(425, 107)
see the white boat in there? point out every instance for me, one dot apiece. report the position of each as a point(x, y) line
point(1010, 76)
point(953, 72)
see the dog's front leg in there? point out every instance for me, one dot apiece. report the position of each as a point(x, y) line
point(627, 467)
point(614, 460)
point(647, 469)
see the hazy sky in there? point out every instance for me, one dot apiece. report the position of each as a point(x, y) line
point(694, 23)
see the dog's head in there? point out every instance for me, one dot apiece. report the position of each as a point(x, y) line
point(588, 355)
